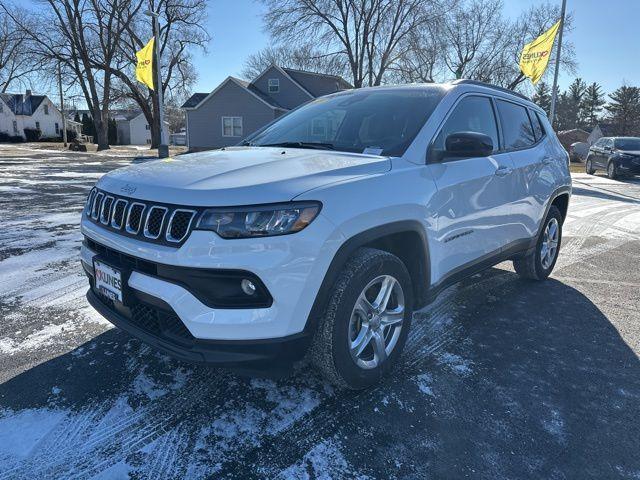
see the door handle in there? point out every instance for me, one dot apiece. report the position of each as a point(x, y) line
point(503, 171)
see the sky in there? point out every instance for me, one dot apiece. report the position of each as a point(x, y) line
point(606, 38)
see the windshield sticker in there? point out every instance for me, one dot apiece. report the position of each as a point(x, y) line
point(372, 151)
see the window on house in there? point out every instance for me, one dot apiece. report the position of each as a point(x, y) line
point(57, 129)
point(15, 127)
point(46, 109)
point(147, 127)
point(231, 126)
point(274, 85)
point(1, 107)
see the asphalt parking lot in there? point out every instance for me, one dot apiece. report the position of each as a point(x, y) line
point(501, 378)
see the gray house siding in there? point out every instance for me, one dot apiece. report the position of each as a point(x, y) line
point(231, 100)
point(318, 85)
point(289, 96)
point(124, 135)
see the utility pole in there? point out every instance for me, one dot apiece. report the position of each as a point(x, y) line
point(163, 148)
point(552, 113)
point(64, 119)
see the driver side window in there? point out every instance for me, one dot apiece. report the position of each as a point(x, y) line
point(472, 114)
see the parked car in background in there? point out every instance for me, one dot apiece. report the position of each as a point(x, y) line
point(618, 156)
point(323, 233)
point(578, 151)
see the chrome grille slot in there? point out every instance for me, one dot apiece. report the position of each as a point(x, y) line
point(134, 217)
point(89, 204)
point(179, 224)
point(97, 202)
point(155, 221)
point(119, 210)
point(105, 211)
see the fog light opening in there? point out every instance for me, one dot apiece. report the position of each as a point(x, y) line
point(248, 287)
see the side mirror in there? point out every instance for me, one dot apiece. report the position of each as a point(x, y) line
point(467, 144)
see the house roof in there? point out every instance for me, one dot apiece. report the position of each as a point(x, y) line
point(318, 84)
point(194, 100)
point(21, 104)
point(125, 115)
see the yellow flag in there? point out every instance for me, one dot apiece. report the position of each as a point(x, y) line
point(144, 69)
point(535, 55)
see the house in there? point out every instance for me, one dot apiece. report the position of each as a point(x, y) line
point(237, 108)
point(601, 130)
point(19, 111)
point(132, 128)
point(569, 137)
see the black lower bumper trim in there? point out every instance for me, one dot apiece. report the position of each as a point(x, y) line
point(259, 355)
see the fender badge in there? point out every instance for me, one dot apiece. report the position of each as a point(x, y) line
point(130, 189)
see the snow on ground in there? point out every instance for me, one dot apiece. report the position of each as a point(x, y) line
point(487, 388)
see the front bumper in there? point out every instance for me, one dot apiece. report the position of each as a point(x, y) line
point(273, 355)
point(292, 268)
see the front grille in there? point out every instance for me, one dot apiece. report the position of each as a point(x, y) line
point(159, 322)
point(148, 221)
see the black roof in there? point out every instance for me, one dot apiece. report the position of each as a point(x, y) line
point(21, 104)
point(194, 100)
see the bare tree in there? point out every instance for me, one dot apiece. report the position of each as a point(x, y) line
point(79, 36)
point(369, 34)
point(181, 29)
point(16, 63)
point(305, 57)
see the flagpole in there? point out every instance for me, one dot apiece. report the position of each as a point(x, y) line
point(552, 113)
point(163, 148)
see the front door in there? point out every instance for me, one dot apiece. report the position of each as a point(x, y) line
point(474, 194)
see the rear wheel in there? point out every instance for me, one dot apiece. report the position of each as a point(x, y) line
point(366, 322)
point(588, 166)
point(538, 263)
point(612, 170)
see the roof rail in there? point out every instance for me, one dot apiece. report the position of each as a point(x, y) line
point(465, 81)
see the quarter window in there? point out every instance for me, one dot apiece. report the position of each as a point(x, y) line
point(274, 85)
point(472, 114)
point(538, 127)
point(516, 126)
point(231, 126)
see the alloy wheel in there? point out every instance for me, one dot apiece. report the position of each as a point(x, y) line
point(376, 322)
point(549, 247)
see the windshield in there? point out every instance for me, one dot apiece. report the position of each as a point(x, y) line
point(627, 143)
point(379, 121)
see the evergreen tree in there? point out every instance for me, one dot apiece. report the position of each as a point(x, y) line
point(88, 127)
point(76, 118)
point(542, 97)
point(624, 110)
point(113, 132)
point(591, 107)
point(575, 94)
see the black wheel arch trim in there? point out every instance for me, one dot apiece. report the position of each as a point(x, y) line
point(564, 190)
point(364, 238)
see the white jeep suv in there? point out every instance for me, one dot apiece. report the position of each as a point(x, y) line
point(326, 229)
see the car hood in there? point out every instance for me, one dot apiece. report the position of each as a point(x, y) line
point(630, 152)
point(239, 175)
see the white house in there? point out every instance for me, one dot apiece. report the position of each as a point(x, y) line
point(18, 111)
point(133, 128)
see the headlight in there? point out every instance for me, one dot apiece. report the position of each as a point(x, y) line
point(625, 156)
point(260, 221)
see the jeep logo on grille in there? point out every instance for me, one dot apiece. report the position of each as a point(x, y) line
point(128, 189)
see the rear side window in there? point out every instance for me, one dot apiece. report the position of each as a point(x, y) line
point(538, 126)
point(516, 126)
point(471, 114)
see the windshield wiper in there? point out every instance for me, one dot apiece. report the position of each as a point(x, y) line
point(312, 145)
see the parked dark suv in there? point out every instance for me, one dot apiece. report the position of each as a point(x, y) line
point(618, 156)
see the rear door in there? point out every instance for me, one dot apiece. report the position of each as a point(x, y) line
point(526, 139)
point(474, 194)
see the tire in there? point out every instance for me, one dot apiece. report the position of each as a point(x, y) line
point(334, 349)
point(612, 170)
point(536, 265)
point(588, 166)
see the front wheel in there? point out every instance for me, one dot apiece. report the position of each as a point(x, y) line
point(366, 321)
point(538, 263)
point(612, 170)
point(588, 166)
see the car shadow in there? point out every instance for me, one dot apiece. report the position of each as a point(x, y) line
point(604, 195)
point(501, 378)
